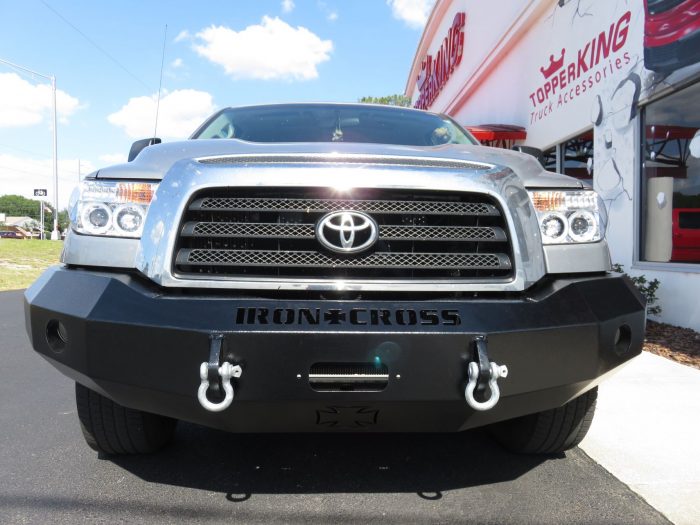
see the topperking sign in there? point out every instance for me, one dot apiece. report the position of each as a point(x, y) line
point(436, 71)
point(578, 70)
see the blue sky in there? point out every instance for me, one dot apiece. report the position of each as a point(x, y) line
point(217, 54)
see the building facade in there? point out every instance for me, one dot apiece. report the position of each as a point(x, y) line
point(609, 90)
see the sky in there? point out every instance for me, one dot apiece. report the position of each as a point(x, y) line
point(106, 57)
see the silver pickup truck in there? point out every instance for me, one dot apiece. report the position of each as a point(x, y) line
point(334, 268)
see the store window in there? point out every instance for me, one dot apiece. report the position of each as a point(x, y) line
point(671, 178)
point(578, 157)
point(550, 159)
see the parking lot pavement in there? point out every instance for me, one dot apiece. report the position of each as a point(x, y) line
point(48, 474)
point(646, 430)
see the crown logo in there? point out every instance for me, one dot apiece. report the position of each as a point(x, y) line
point(554, 65)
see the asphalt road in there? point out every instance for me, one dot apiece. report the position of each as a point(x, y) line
point(49, 475)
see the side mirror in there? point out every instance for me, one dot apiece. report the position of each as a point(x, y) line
point(138, 146)
point(535, 152)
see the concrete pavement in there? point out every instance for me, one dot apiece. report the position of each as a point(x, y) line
point(646, 432)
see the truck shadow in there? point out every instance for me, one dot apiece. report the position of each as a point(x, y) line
point(245, 464)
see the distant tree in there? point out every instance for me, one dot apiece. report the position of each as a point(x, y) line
point(18, 206)
point(63, 220)
point(391, 100)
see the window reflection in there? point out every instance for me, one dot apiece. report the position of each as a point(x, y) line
point(550, 159)
point(578, 156)
point(671, 178)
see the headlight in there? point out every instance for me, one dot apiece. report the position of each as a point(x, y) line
point(111, 208)
point(569, 216)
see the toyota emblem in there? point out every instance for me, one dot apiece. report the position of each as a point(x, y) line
point(347, 231)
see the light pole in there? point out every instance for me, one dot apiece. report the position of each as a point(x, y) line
point(54, 234)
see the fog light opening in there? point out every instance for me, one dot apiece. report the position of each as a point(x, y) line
point(56, 335)
point(623, 339)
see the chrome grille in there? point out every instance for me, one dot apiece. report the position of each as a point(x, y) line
point(269, 232)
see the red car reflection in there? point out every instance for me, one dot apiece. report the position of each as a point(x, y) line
point(686, 235)
point(671, 34)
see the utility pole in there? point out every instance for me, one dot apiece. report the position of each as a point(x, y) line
point(54, 234)
point(41, 214)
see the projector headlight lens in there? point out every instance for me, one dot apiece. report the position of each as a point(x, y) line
point(567, 217)
point(553, 226)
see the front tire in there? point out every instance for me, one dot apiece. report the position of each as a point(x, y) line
point(112, 429)
point(549, 432)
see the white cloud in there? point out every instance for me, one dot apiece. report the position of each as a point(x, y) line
point(113, 158)
point(25, 104)
point(287, 6)
point(331, 15)
point(180, 113)
point(413, 12)
point(22, 175)
point(271, 50)
point(176, 63)
point(182, 35)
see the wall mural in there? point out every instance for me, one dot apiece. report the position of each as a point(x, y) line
point(669, 55)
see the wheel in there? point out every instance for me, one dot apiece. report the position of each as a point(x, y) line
point(113, 429)
point(549, 432)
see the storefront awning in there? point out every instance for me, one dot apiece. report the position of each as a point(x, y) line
point(497, 132)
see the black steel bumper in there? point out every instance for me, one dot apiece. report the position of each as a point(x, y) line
point(143, 348)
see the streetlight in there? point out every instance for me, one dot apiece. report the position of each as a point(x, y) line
point(54, 234)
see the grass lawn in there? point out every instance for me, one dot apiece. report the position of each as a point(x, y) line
point(22, 261)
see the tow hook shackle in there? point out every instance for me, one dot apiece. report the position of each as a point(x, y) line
point(211, 372)
point(226, 372)
point(483, 374)
point(473, 373)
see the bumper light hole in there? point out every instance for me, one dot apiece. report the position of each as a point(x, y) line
point(623, 339)
point(56, 335)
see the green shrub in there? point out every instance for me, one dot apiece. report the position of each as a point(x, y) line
point(646, 288)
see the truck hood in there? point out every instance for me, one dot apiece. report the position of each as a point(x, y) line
point(155, 161)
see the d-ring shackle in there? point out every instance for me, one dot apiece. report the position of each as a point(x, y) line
point(210, 373)
point(480, 373)
point(473, 375)
point(226, 371)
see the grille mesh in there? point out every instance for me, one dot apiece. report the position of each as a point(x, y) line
point(315, 259)
point(227, 233)
point(307, 231)
point(328, 205)
point(238, 229)
point(438, 233)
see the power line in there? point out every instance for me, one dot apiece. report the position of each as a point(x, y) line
point(62, 173)
point(21, 149)
point(59, 15)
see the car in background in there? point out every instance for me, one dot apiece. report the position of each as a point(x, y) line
point(686, 235)
point(10, 235)
point(671, 34)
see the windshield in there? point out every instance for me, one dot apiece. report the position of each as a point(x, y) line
point(334, 123)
